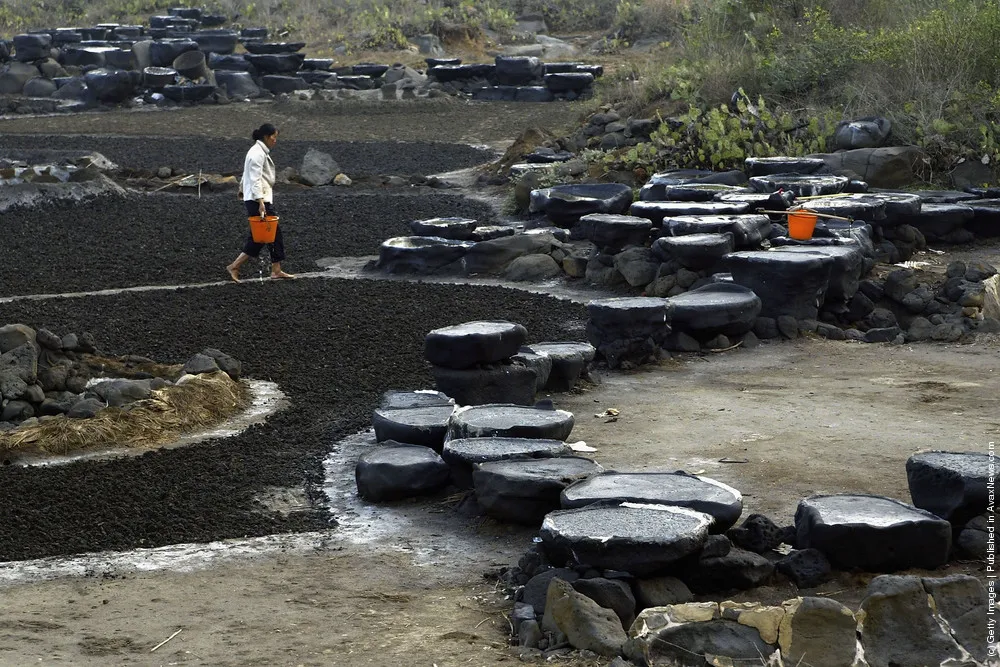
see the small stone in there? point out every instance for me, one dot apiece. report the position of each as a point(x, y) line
point(807, 568)
point(200, 363)
point(342, 180)
point(788, 326)
point(757, 533)
point(164, 172)
point(766, 328)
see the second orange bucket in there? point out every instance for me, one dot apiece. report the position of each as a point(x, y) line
point(263, 230)
point(801, 225)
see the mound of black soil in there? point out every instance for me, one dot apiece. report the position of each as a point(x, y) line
point(225, 156)
point(166, 239)
point(334, 346)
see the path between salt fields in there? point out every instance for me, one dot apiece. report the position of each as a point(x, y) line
point(404, 584)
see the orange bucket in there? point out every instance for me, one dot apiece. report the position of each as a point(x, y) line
point(801, 224)
point(262, 230)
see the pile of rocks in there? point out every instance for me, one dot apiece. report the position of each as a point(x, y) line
point(32, 177)
point(44, 376)
point(185, 57)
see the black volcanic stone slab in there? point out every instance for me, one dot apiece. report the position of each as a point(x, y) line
point(456, 229)
point(419, 254)
point(485, 384)
point(846, 272)
point(271, 48)
point(688, 192)
point(787, 283)
point(658, 211)
point(899, 206)
point(421, 398)
point(425, 425)
point(394, 471)
point(748, 231)
point(565, 204)
point(465, 453)
point(563, 82)
point(370, 69)
point(230, 62)
point(677, 489)
point(639, 539)
point(801, 185)
point(856, 206)
point(612, 231)
point(937, 221)
point(766, 166)
point(510, 421)
point(946, 196)
point(629, 316)
point(569, 361)
point(719, 308)
point(872, 533)
point(278, 63)
point(472, 343)
point(694, 251)
point(952, 485)
point(524, 491)
point(985, 222)
point(446, 73)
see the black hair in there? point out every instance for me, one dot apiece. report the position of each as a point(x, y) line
point(264, 130)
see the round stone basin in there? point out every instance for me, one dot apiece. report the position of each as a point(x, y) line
point(853, 510)
point(801, 185)
point(419, 254)
point(565, 350)
point(719, 308)
point(422, 398)
point(676, 489)
point(481, 450)
point(695, 251)
point(471, 343)
point(636, 538)
point(628, 312)
point(516, 421)
point(426, 426)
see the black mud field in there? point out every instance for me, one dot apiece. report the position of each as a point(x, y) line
point(333, 346)
point(169, 239)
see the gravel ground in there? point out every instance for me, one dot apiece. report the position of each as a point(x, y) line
point(332, 345)
point(166, 239)
point(212, 155)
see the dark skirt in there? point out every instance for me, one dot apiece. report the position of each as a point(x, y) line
point(277, 248)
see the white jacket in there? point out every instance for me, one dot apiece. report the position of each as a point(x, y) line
point(258, 174)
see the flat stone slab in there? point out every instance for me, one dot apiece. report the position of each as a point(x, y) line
point(419, 254)
point(488, 383)
point(720, 308)
point(676, 489)
point(630, 537)
point(656, 211)
point(421, 398)
point(801, 185)
point(748, 230)
point(985, 222)
point(456, 229)
point(628, 329)
point(524, 491)
point(445, 73)
point(394, 471)
point(856, 206)
point(694, 251)
point(565, 204)
point(687, 192)
point(510, 421)
point(612, 231)
point(845, 273)
point(788, 283)
point(946, 196)
point(490, 232)
point(872, 533)
point(898, 205)
point(766, 166)
point(473, 451)
point(426, 426)
point(569, 361)
point(936, 221)
point(951, 485)
point(472, 343)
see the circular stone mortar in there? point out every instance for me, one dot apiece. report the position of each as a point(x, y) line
point(634, 538)
point(425, 426)
point(419, 254)
point(524, 491)
point(872, 533)
point(676, 489)
point(465, 453)
point(393, 471)
point(607, 230)
point(695, 251)
point(719, 308)
point(472, 343)
point(488, 383)
point(510, 421)
point(951, 485)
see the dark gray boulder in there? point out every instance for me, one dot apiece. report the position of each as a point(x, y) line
point(695, 251)
point(946, 196)
point(200, 363)
point(424, 425)
point(537, 588)
point(658, 211)
point(899, 206)
point(392, 471)
point(533, 268)
point(757, 533)
point(510, 421)
point(869, 132)
point(942, 222)
point(612, 594)
point(807, 568)
point(487, 383)
point(222, 42)
point(952, 485)
point(533, 94)
point(39, 87)
point(846, 268)
point(566, 204)
point(238, 63)
point(33, 46)
point(86, 408)
point(472, 343)
point(687, 644)
point(787, 283)
point(612, 232)
point(456, 229)
point(985, 221)
point(112, 86)
point(644, 539)
point(858, 207)
point(525, 490)
point(163, 52)
point(495, 255)
point(419, 254)
point(569, 361)
point(463, 454)
point(190, 92)
point(237, 84)
point(541, 364)
point(718, 308)
point(737, 570)
point(872, 533)
point(518, 70)
point(801, 185)
point(116, 393)
point(278, 83)
point(564, 82)
point(678, 489)
point(280, 63)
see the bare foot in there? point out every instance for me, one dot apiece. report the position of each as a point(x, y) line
point(281, 275)
point(234, 273)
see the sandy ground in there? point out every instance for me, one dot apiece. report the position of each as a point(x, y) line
point(789, 420)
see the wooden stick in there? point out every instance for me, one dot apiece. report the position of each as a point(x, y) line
point(165, 640)
point(817, 214)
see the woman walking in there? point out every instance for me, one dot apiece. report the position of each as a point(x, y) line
point(256, 189)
